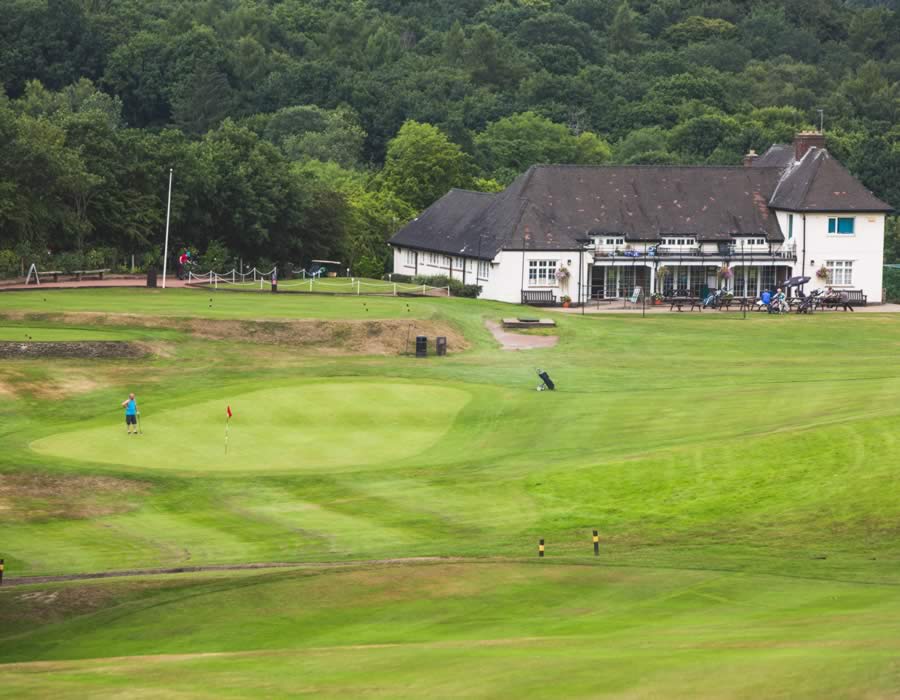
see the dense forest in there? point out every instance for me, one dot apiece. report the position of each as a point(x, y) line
point(314, 128)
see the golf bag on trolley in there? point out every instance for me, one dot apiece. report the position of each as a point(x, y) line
point(546, 382)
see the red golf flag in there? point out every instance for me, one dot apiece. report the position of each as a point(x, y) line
point(228, 411)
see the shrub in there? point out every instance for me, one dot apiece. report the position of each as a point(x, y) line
point(67, 262)
point(892, 285)
point(397, 277)
point(9, 263)
point(457, 288)
point(368, 266)
point(216, 258)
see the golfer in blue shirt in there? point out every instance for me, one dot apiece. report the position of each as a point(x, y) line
point(131, 413)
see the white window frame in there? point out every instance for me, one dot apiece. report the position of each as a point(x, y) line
point(542, 273)
point(836, 233)
point(410, 257)
point(840, 272)
point(484, 269)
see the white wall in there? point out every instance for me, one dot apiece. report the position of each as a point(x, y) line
point(509, 274)
point(456, 267)
point(865, 247)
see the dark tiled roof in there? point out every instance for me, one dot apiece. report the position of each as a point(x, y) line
point(446, 226)
point(818, 182)
point(779, 155)
point(550, 207)
point(553, 207)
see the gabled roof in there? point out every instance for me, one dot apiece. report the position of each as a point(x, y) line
point(446, 226)
point(819, 183)
point(779, 155)
point(554, 207)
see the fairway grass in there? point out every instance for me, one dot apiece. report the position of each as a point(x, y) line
point(741, 474)
point(490, 630)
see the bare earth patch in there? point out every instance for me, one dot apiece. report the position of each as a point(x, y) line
point(333, 337)
point(38, 497)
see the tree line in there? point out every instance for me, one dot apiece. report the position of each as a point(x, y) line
point(301, 129)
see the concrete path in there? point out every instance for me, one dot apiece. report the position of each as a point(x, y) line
point(113, 282)
point(519, 341)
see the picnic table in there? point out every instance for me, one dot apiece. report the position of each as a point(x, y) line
point(742, 303)
point(681, 302)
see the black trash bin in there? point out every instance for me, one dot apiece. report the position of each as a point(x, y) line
point(421, 346)
point(440, 345)
point(151, 278)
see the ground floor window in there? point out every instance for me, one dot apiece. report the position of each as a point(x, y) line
point(840, 272)
point(410, 258)
point(767, 278)
point(542, 273)
point(484, 269)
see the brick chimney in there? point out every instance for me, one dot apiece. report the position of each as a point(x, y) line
point(805, 140)
point(749, 158)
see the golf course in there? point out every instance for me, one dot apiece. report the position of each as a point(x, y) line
point(366, 523)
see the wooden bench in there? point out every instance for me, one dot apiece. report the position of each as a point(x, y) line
point(538, 297)
point(856, 297)
point(53, 273)
point(81, 273)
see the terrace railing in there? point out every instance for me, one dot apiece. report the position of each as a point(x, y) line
point(725, 251)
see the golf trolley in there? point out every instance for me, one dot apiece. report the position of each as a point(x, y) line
point(546, 382)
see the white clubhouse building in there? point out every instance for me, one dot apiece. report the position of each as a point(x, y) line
point(794, 211)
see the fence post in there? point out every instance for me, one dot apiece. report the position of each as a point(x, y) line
point(1, 571)
point(233, 271)
point(540, 548)
point(596, 544)
point(357, 287)
point(310, 283)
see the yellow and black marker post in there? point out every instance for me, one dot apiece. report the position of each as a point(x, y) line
point(540, 548)
point(596, 544)
point(1, 571)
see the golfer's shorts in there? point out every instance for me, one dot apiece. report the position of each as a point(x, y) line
point(130, 420)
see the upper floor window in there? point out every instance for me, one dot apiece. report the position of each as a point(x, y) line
point(613, 241)
point(679, 241)
point(790, 226)
point(840, 224)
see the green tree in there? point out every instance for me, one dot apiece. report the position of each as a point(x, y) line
point(422, 165)
point(624, 34)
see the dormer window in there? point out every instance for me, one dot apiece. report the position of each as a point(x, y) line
point(680, 242)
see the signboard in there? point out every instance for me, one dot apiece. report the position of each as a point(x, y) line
point(635, 295)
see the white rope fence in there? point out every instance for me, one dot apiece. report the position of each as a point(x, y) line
point(313, 283)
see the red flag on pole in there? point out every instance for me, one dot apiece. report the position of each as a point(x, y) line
point(228, 411)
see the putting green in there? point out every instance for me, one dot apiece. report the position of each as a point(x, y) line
point(304, 426)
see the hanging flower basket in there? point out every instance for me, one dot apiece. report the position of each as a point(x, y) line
point(562, 274)
point(725, 273)
point(822, 273)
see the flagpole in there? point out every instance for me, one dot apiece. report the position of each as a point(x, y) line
point(168, 213)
